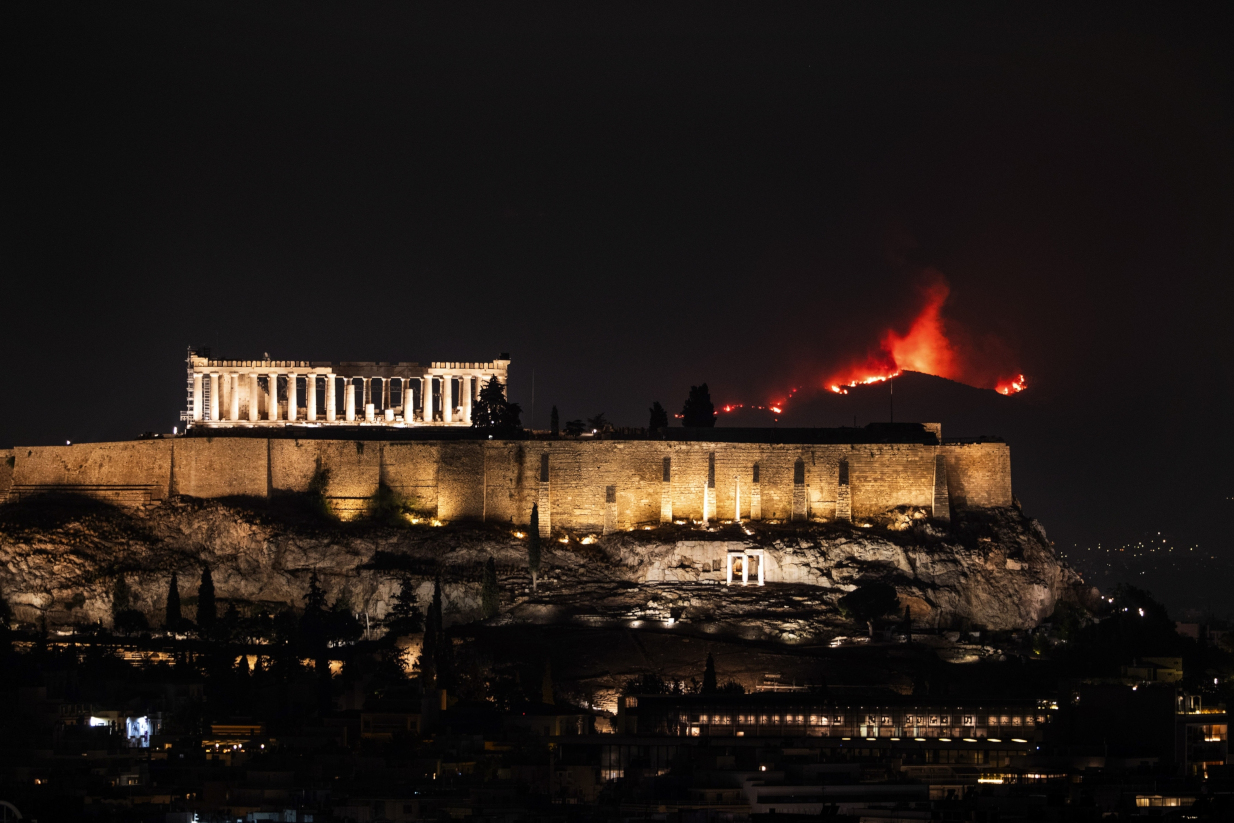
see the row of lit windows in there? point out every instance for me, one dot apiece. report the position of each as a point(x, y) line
point(920, 720)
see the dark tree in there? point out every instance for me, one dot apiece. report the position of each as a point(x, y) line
point(207, 612)
point(172, 620)
point(533, 544)
point(6, 612)
point(131, 621)
point(868, 602)
point(430, 651)
point(121, 597)
point(574, 427)
point(493, 414)
point(553, 422)
point(709, 676)
point(405, 616)
point(599, 424)
point(489, 595)
point(546, 685)
point(698, 410)
point(658, 417)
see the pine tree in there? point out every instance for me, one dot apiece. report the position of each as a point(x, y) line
point(657, 417)
point(206, 609)
point(121, 597)
point(553, 422)
point(172, 621)
point(405, 616)
point(493, 413)
point(489, 597)
point(533, 544)
point(709, 675)
point(698, 410)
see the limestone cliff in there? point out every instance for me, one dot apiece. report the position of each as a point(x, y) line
point(996, 570)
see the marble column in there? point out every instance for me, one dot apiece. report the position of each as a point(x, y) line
point(349, 399)
point(465, 391)
point(214, 396)
point(274, 396)
point(234, 412)
point(426, 397)
point(293, 398)
point(385, 393)
point(196, 397)
point(331, 398)
point(745, 570)
point(447, 398)
point(254, 393)
point(310, 398)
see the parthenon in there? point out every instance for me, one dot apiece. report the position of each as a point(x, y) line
point(232, 393)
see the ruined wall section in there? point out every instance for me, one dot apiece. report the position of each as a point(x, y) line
point(883, 477)
point(221, 467)
point(499, 480)
point(978, 474)
point(91, 467)
point(7, 461)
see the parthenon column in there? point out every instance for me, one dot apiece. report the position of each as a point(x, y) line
point(234, 412)
point(331, 398)
point(349, 400)
point(465, 390)
point(293, 398)
point(310, 398)
point(274, 396)
point(385, 393)
point(447, 398)
point(253, 395)
point(408, 408)
point(426, 397)
point(214, 396)
point(366, 396)
point(196, 396)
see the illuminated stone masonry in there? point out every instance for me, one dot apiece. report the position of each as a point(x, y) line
point(247, 393)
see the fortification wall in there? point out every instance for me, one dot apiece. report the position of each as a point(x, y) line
point(500, 480)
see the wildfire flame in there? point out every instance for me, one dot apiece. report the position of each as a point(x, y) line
point(924, 347)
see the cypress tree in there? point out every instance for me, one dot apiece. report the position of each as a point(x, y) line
point(698, 409)
point(657, 417)
point(546, 685)
point(533, 544)
point(121, 597)
point(172, 621)
point(489, 596)
point(206, 609)
point(709, 675)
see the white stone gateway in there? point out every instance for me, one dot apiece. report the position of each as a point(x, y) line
point(233, 393)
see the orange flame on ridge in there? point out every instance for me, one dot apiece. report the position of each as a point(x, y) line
point(924, 348)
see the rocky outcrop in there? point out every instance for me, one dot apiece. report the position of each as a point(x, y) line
point(58, 564)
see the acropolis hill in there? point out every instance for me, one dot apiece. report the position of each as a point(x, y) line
point(814, 510)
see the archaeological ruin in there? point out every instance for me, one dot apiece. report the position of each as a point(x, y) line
point(280, 393)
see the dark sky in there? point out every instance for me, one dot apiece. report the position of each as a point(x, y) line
point(631, 201)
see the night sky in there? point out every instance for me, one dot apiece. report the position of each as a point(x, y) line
point(632, 201)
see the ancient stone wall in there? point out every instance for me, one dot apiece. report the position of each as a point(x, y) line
point(500, 480)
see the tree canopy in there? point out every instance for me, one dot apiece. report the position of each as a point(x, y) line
point(868, 602)
point(698, 410)
point(657, 416)
point(493, 414)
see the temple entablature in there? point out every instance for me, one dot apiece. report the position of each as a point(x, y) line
point(265, 392)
